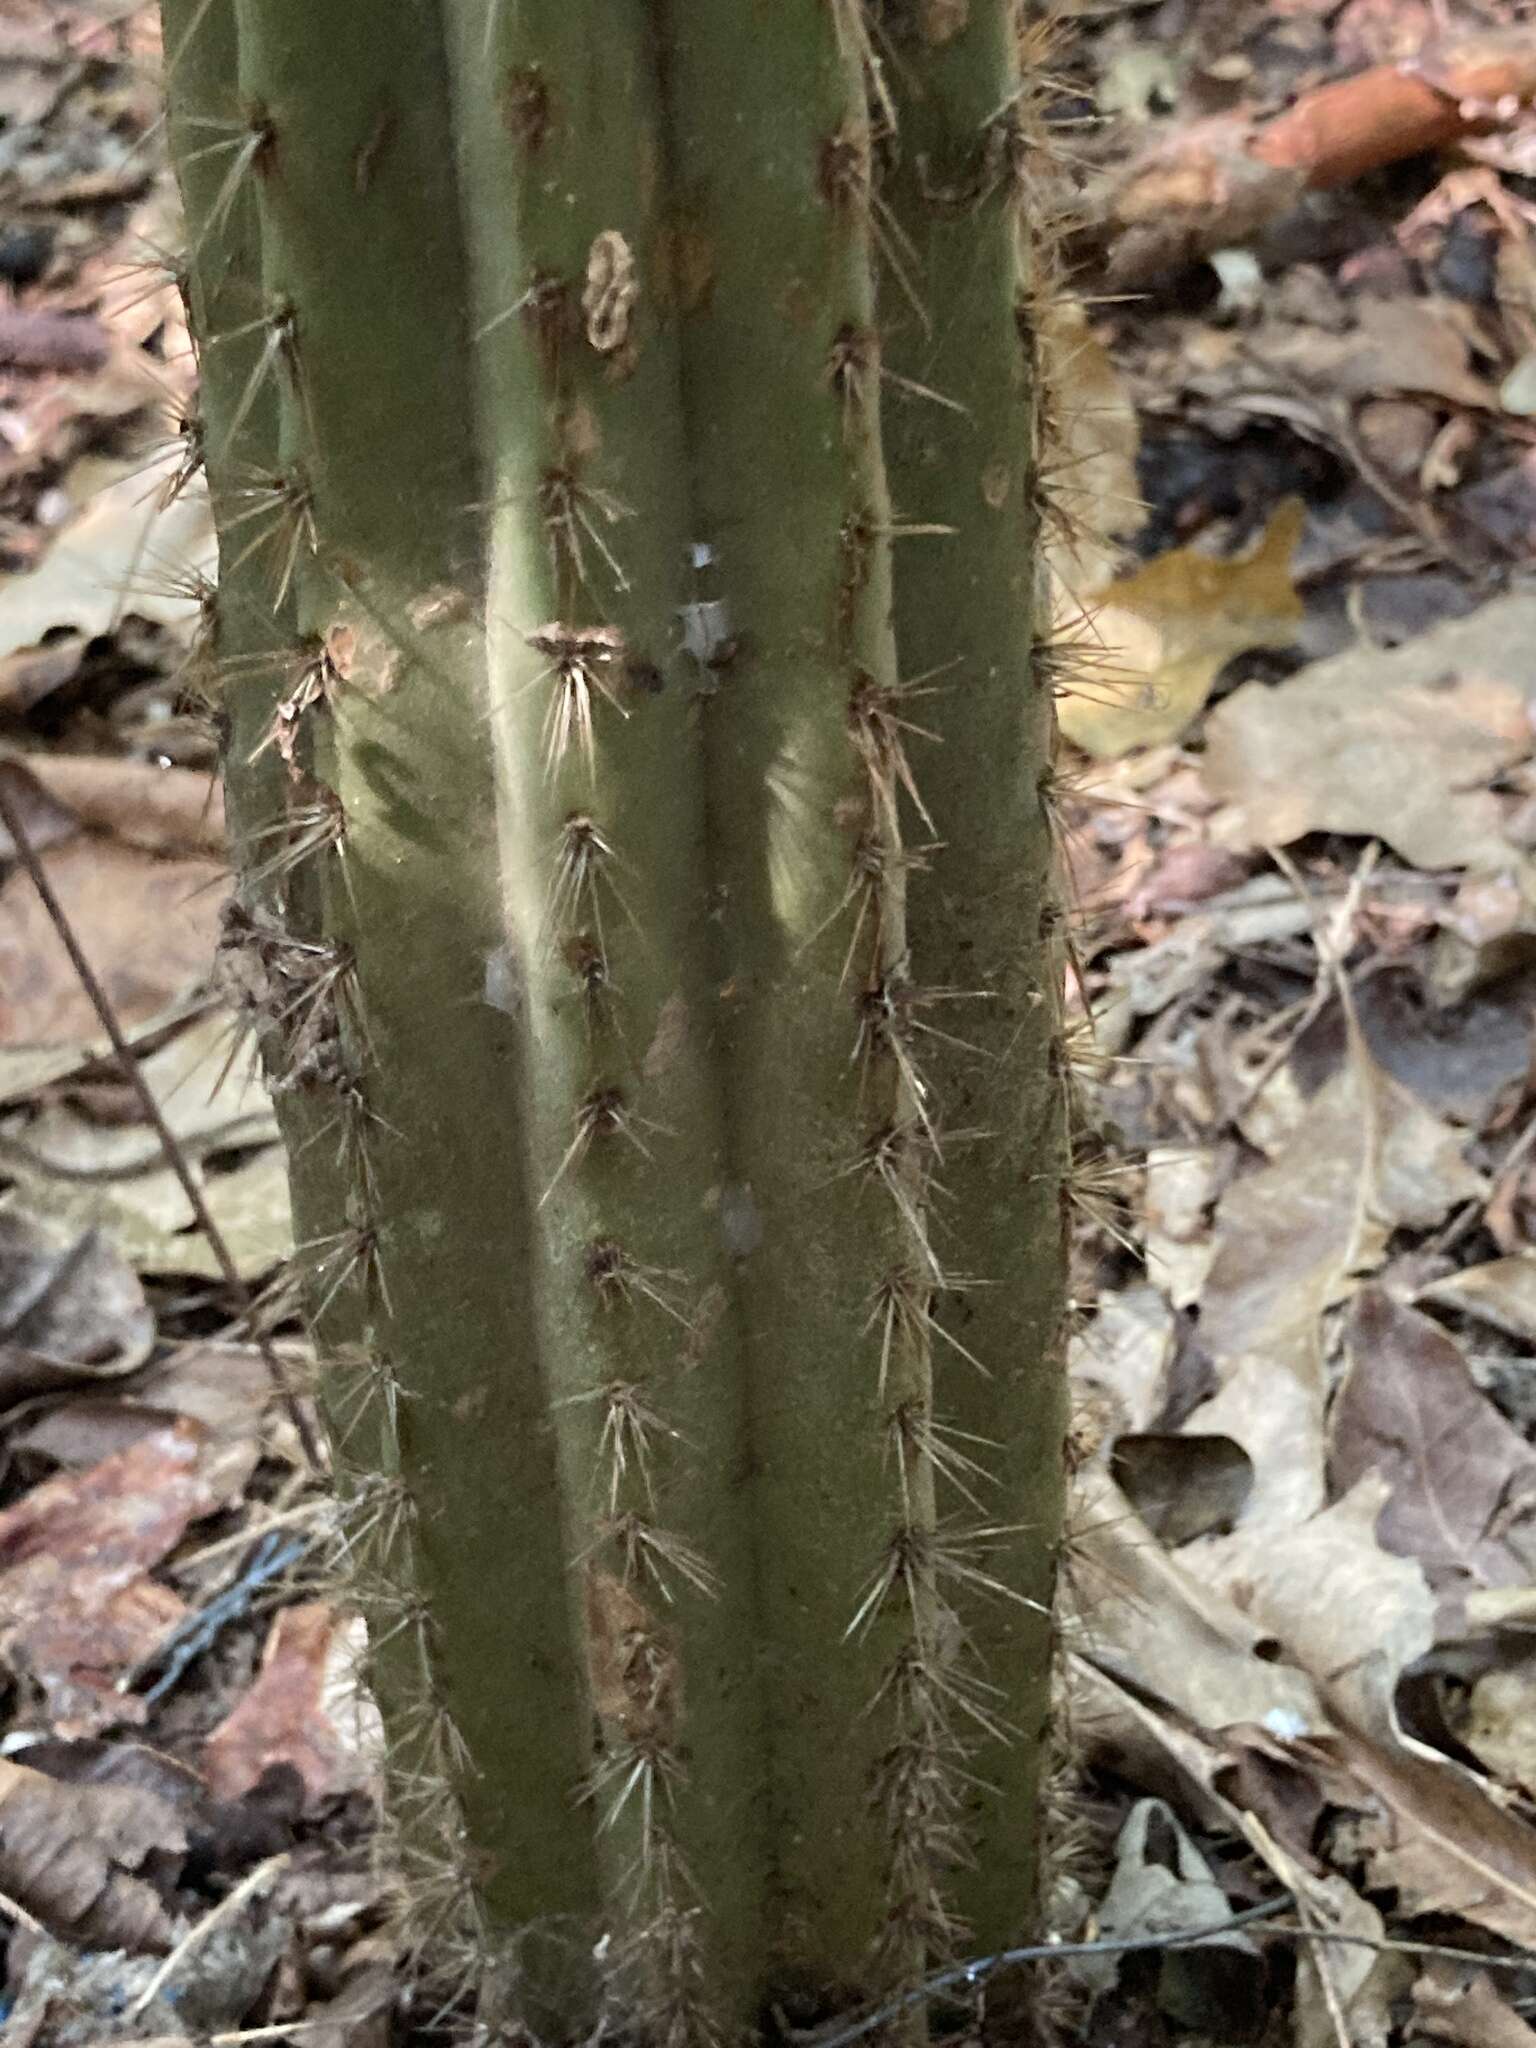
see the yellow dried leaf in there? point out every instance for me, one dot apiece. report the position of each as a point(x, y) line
point(1092, 439)
point(1162, 635)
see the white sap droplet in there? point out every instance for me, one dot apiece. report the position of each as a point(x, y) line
point(740, 1223)
point(503, 984)
point(706, 628)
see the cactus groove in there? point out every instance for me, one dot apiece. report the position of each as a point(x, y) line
point(619, 423)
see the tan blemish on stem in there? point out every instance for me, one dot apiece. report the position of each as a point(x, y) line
point(943, 20)
point(670, 1037)
point(525, 101)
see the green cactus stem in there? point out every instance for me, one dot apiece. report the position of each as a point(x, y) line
point(621, 445)
point(983, 912)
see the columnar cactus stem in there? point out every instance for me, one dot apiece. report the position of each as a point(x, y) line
point(810, 742)
point(652, 746)
point(367, 311)
point(594, 716)
point(274, 953)
point(983, 910)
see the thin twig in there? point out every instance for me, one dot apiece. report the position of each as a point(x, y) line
point(254, 1881)
point(1390, 1945)
point(1329, 1989)
point(281, 2030)
point(175, 1156)
point(971, 1973)
point(15, 1910)
point(241, 1539)
point(1468, 1218)
point(1331, 944)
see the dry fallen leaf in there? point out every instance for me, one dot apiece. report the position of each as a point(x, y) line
point(220, 1387)
point(1465, 2013)
point(1358, 1980)
point(1124, 1349)
point(149, 1220)
point(1095, 436)
point(283, 1718)
point(1396, 745)
point(207, 1082)
point(1162, 1884)
point(1167, 630)
point(1181, 1181)
point(1291, 1239)
point(161, 809)
point(1395, 345)
point(46, 818)
point(147, 926)
point(77, 1607)
point(76, 1858)
point(1151, 1623)
point(360, 2014)
point(1463, 1480)
point(1502, 1292)
point(70, 1310)
point(26, 1070)
point(1182, 1486)
point(1343, 1609)
point(1429, 1831)
point(1498, 1723)
point(122, 554)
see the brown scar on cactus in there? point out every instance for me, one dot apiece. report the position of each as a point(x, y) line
point(527, 107)
point(321, 666)
point(608, 296)
point(636, 1679)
